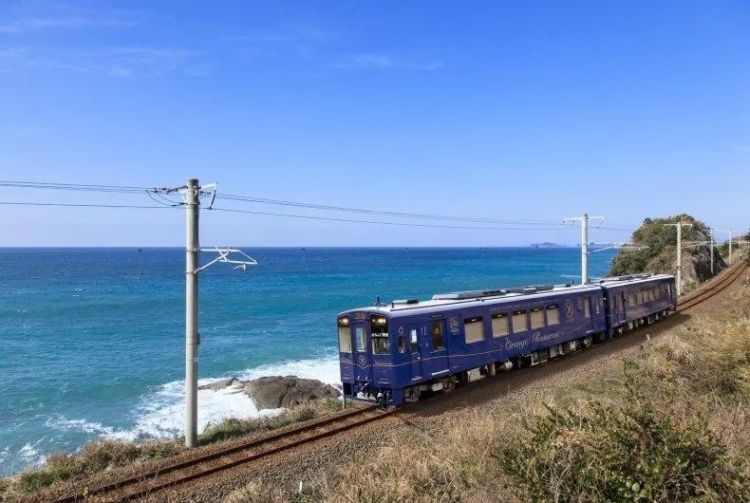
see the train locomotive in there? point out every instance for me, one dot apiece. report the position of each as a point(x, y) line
point(397, 352)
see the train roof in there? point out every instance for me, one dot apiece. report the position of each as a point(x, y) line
point(473, 298)
point(632, 279)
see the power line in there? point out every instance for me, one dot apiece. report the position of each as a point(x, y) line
point(85, 205)
point(427, 216)
point(156, 194)
point(376, 222)
point(73, 186)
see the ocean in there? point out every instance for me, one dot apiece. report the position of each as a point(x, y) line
point(92, 340)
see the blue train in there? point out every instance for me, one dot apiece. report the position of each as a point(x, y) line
point(399, 351)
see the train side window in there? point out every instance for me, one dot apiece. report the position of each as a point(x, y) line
point(401, 344)
point(587, 307)
point(345, 336)
point(437, 336)
point(553, 315)
point(537, 318)
point(413, 340)
point(633, 299)
point(473, 330)
point(599, 305)
point(360, 337)
point(520, 323)
point(500, 325)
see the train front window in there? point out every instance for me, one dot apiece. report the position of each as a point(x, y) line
point(360, 337)
point(345, 336)
point(379, 333)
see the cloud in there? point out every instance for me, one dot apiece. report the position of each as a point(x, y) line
point(90, 19)
point(383, 61)
point(119, 62)
point(275, 42)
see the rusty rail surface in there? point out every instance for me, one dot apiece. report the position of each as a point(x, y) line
point(191, 469)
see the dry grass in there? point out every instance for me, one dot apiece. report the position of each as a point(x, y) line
point(671, 424)
point(105, 455)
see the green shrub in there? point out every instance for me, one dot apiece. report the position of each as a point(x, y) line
point(35, 480)
point(102, 454)
point(628, 450)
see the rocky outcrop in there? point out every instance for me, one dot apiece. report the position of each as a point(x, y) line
point(657, 252)
point(274, 392)
point(217, 385)
point(277, 391)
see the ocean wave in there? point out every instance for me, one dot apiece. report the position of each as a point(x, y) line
point(161, 412)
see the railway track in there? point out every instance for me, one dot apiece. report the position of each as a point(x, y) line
point(182, 472)
point(714, 288)
point(147, 483)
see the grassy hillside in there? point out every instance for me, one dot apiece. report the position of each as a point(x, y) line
point(659, 251)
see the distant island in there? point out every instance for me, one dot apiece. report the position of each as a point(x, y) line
point(547, 244)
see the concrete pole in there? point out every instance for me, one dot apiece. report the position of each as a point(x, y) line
point(679, 259)
point(730, 245)
point(192, 252)
point(711, 233)
point(585, 249)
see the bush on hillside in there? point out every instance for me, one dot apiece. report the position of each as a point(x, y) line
point(629, 450)
point(658, 254)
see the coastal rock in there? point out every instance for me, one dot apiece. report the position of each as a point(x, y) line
point(277, 391)
point(218, 385)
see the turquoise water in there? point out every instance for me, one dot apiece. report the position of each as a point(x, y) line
point(92, 340)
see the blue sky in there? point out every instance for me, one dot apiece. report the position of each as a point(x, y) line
point(518, 110)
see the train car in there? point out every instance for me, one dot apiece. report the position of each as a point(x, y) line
point(637, 300)
point(398, 351)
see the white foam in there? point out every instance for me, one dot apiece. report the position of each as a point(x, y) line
point(30, 456)
point(161, 412)
point(324, 369)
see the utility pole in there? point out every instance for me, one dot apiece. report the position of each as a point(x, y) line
point(584, 221)
point(679, 226)
point(730, 242)
point(711, 234)
point(192, 193)
point(192, 339)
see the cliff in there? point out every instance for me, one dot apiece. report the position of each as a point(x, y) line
point(659, 251)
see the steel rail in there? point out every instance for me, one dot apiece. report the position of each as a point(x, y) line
point(160, 472)
point(714, 289)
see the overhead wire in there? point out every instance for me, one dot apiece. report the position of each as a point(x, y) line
point(156, 194)
point(376, 222)
point(426, 216)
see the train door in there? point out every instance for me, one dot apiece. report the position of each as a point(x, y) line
point(622, 315)
point(413, 333)
point(435, 348)
point(363, 355)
